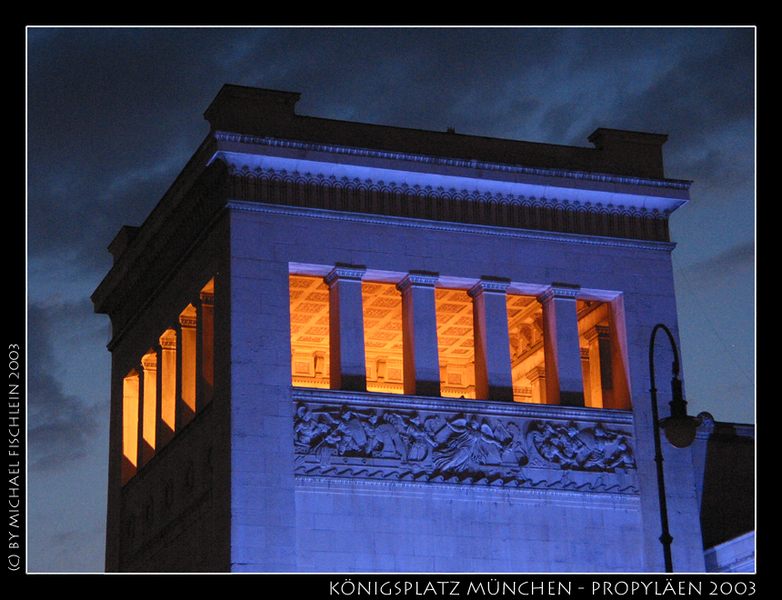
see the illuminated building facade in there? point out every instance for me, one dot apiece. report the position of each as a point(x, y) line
point(340, 346)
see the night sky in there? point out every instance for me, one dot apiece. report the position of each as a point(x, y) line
point(114, 114)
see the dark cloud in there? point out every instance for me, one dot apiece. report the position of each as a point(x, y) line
point(558, 119)
point(61, 426)
point(695, 85)
point(110, 125)
point(722, 173)
point(708, 90)
point(73, 549)
point(724, 263)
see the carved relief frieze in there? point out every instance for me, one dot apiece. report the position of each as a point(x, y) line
point(495, 199)
point(593, 448)
point(459, 445)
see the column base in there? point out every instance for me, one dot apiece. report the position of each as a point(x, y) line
point(571, 398)
point(353, 383)
point(427, 388)
point(501, 394)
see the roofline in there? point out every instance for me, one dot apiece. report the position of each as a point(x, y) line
point(264, 112)
point(679, 184)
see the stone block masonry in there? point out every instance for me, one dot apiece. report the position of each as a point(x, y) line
point(342, 346)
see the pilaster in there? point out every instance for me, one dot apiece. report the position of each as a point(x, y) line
point(564, 381)
point(493, 376)
point(600, 377)
point(205, 326)
point(148, 404)
point(419, 331)
point(537, 378)
point(346, 328)
point(186, 351)
point(166, 385)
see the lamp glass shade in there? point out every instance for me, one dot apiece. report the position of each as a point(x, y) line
point(680, 431)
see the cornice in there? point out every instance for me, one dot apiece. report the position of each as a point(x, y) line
point(674, 184)
point(149, 232)
point(138, 288)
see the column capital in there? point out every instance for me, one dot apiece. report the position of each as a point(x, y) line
point(168, 342)
point(598, 331)
point(343, 271)
point(418, 279)
point(491, 285)
point(149, 361)
point(187, 320)
point(536, 373)
point(560, 290)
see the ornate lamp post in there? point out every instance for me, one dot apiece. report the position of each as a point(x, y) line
point(679, 430)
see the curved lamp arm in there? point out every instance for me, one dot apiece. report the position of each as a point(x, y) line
point(679, 430)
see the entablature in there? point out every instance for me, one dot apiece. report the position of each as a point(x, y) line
point(439, 176)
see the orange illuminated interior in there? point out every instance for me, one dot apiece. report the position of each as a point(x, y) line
point(149, 407)
point(525, 330)
point(602, 364)
point(130, 391)
point(309, 305)
point(167, 378)
point(383, 346)
point(455, 343)
point(163, 395)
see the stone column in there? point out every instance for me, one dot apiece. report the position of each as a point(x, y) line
point(166, 385)
point(586, 376)
point(537, 379)
point(205, 339)
point(186, 353)
point(493, 375)
point(148, 420)
point(419, 333)
point(600, 376)
point(346, 329)
point(131, 430)
point(140, 420)
point(564, 382)
point(199, 355)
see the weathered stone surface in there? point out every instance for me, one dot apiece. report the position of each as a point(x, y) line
point(267, 477)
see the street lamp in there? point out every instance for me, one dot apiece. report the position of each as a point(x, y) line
point(679, 430)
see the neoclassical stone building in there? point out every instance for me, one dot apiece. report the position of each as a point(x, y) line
point(340, 346)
